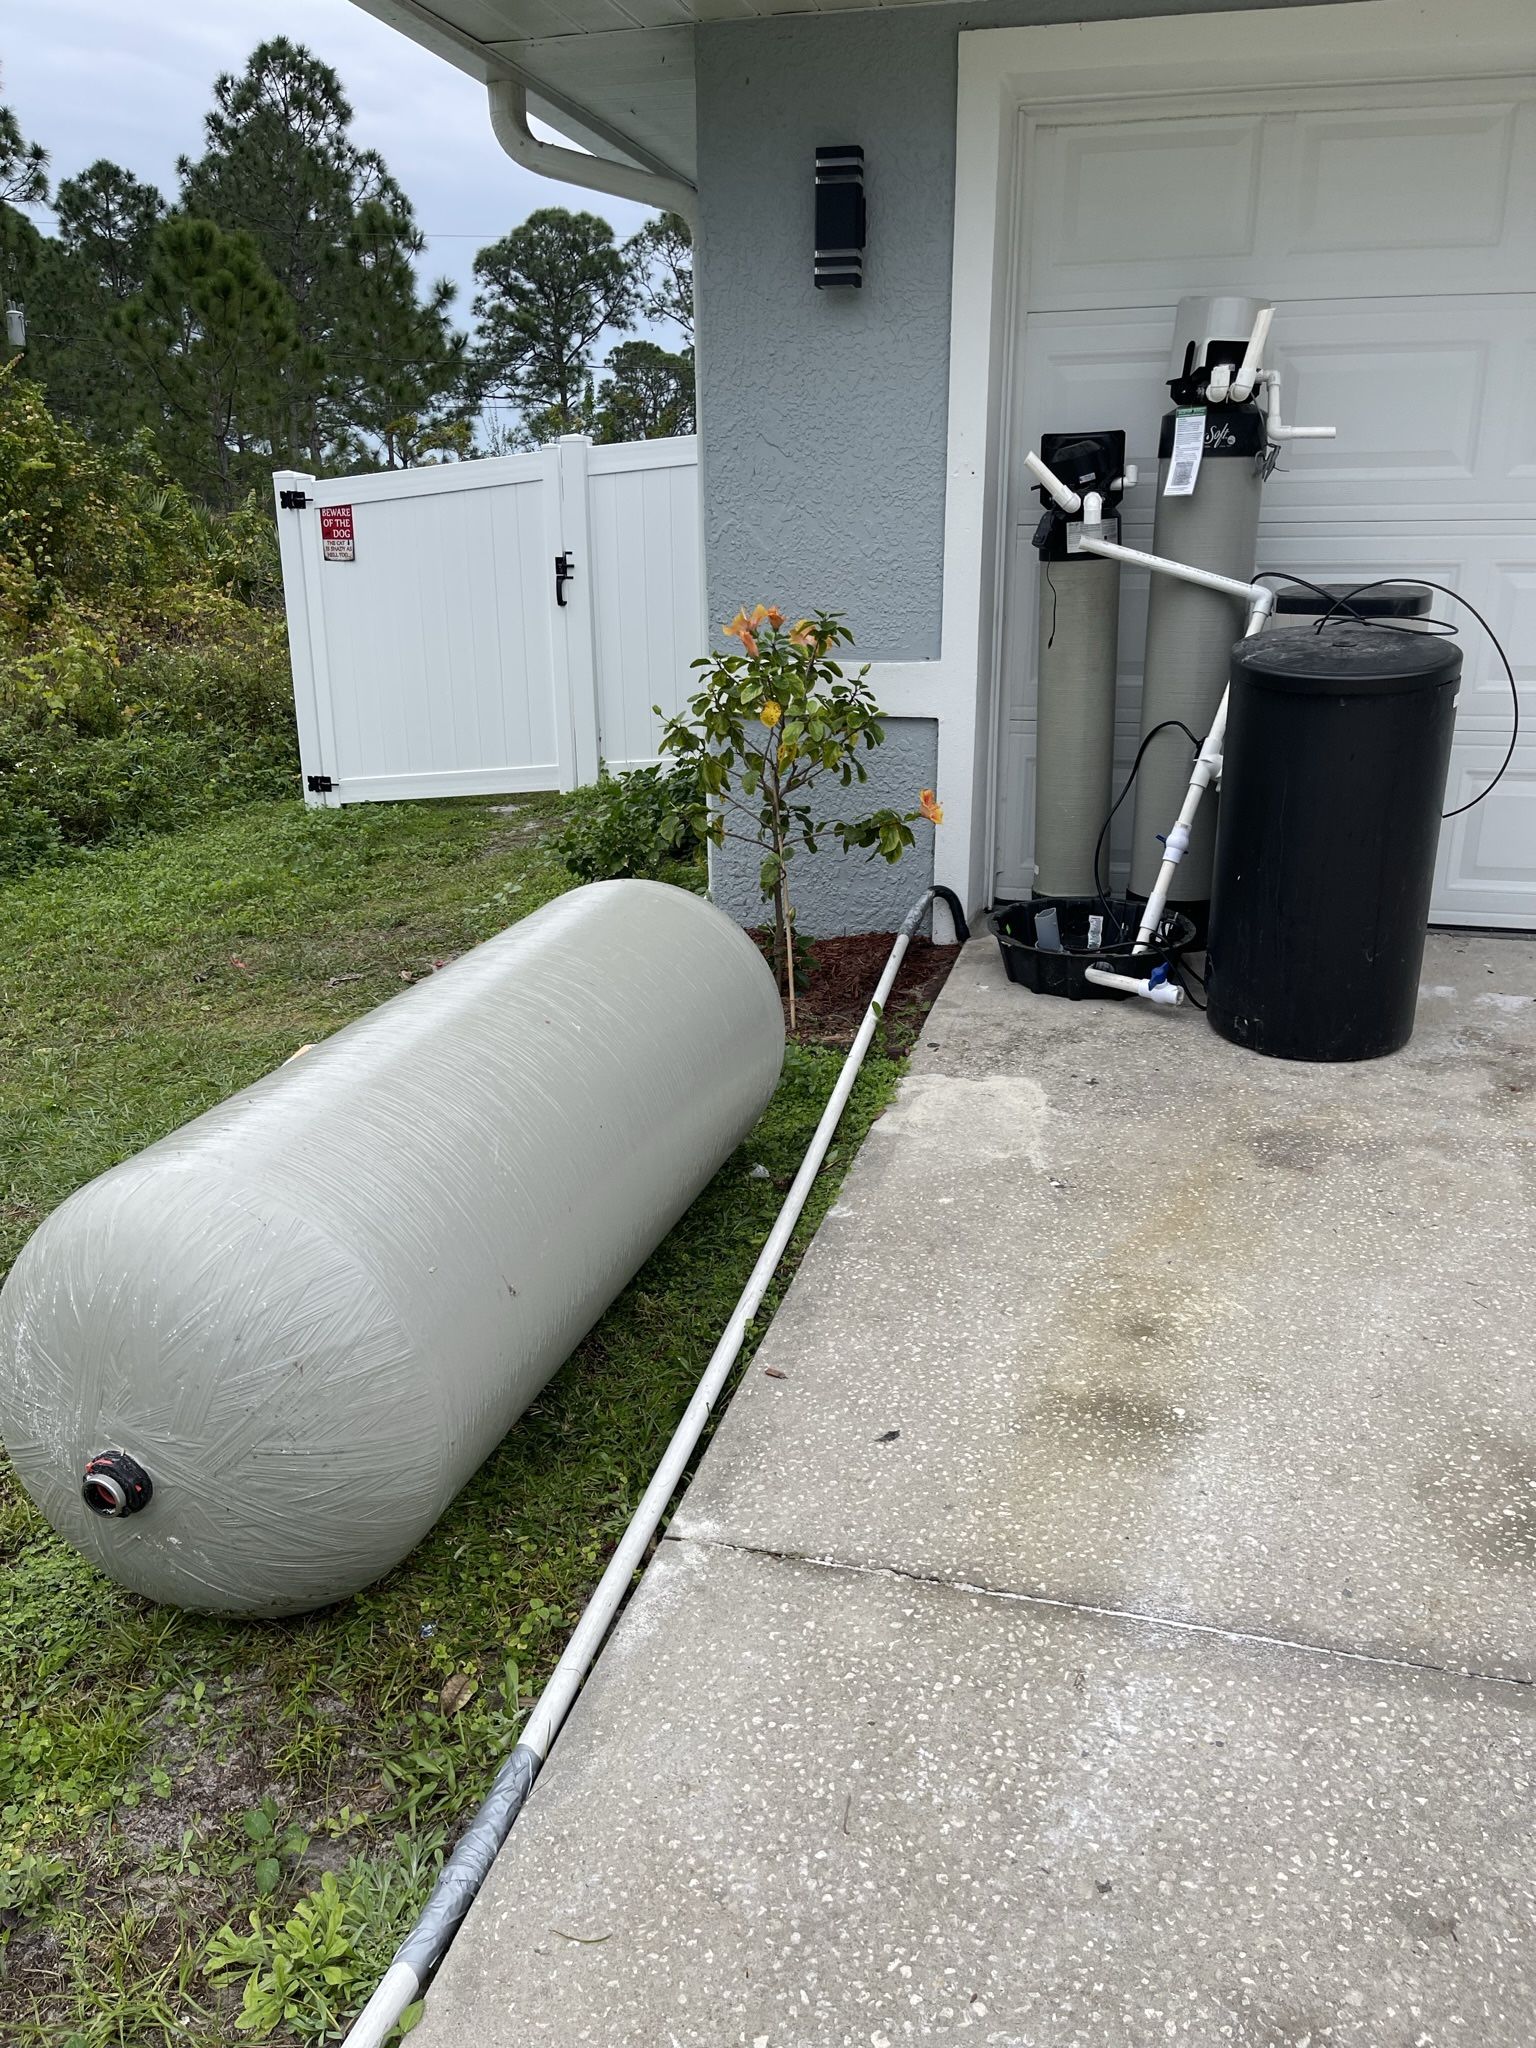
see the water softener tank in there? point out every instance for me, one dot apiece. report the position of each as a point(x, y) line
point(1079, 630)
point(1207, 516)
point(1337, 748)
point(248, 1369)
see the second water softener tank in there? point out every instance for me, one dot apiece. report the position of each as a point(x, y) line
point(1214, 524)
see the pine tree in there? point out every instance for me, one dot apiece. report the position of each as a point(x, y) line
point(548, 292)
point(213, 333)
point(338, 235)
point(662, 256)
point(399, 363)
point(649, 393)
point(100, 257)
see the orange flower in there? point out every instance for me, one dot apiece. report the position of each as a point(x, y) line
point(773, 615)
point(802, 634)
point(739, 625)
point(771, 713)
point(930, 807)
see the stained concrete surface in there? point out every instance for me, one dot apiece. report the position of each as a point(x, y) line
point(1167, 1326)
point(1110, 1316)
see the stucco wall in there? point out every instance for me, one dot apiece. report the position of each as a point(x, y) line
point(834, 892)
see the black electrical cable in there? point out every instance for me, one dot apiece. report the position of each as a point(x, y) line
point(1189, 978)
point(1098, 849)
point(1343, 607)
point(1051, 642)
point(1427, 583)
point(1443, 627)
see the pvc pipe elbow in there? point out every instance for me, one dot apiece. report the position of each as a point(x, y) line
point(1064, 495)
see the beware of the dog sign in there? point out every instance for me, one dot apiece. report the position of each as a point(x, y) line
point(336, 541)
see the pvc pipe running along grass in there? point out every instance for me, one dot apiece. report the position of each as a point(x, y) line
point(417, 1958)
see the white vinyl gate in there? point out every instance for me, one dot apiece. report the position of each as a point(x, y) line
point(479, 628)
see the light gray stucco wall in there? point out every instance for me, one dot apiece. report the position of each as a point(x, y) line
point(823, 414)
point(834, 892)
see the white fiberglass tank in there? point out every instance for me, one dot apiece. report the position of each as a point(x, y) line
point(248, 1369)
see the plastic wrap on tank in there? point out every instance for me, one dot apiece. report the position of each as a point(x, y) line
point(306, 1318)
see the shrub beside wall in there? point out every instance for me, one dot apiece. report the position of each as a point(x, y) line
point(143, 664)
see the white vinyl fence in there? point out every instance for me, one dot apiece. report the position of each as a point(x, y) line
point(475, 628)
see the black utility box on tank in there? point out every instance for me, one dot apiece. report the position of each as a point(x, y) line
point(1336, 753)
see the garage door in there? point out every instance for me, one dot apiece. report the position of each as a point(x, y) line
point(1396, 232)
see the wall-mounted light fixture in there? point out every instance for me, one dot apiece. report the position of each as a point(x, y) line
point(840, 215)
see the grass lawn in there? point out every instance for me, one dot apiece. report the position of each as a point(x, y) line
point(207, 1823)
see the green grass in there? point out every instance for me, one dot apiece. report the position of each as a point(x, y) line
point(207, 1824)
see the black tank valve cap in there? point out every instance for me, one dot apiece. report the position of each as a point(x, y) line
point(115, 1484)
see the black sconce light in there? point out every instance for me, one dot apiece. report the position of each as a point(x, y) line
point(840, 216)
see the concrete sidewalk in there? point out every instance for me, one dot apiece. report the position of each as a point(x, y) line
point(1116, 1624)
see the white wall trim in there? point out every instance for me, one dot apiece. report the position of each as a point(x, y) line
point(1006, 72)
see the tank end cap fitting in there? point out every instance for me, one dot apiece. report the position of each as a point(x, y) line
point(115, 1484)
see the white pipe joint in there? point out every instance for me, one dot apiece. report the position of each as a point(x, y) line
point(1253, 356)
point(1154, 988)
point(1064, 495)
point(1176, 845)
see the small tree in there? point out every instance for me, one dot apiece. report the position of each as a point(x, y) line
point(770, 724)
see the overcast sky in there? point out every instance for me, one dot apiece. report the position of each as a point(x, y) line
point(132, 79)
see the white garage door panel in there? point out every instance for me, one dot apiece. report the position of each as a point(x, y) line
point(1486, 873)
point(1404, 196)
point(1396, 232)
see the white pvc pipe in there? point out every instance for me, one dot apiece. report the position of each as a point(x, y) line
point(1155, 991)
point(1275, 427)
point(1064, 495)
point(1253, 356)
point(1229, 586)
point(1207, 769)
point(402, 1983)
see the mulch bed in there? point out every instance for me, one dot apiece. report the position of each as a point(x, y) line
point(841, 975)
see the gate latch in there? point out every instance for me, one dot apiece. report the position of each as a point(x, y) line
point(292, 501)
point(564, 571)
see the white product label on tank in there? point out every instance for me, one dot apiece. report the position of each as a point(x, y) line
point(1188, 443)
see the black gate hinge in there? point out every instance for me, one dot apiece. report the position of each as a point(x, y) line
point(292, 501)
point(322, 785)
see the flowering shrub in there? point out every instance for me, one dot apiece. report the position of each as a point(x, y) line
point(768, 725)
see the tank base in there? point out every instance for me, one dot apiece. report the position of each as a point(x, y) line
point(1259, 1035)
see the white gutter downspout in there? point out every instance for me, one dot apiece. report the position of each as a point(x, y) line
point(509, 124)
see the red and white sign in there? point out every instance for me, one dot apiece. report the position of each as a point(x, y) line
point(336, 541)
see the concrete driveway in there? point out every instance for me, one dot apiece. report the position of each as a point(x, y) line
point(1110, 1620)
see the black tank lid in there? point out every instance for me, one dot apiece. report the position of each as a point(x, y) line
point(1386, 601)
point(1347, 660)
